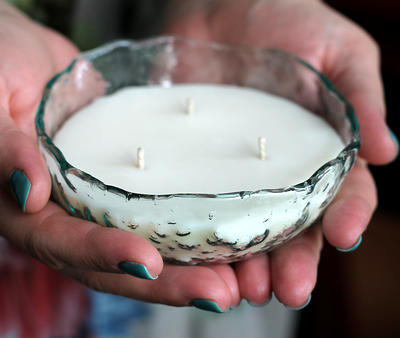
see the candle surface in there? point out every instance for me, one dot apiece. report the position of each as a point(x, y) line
point(214, 149)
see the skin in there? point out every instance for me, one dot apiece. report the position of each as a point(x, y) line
point(307, 28)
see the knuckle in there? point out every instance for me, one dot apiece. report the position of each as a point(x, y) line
point(94, 253)
point(360, 40)
point(374, 47)
point(98, 282)
point(34, 243)
point(91, 281)
point(370, 44)
point(85, 277)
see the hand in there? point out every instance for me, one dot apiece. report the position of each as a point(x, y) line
point(30, 55)
point(93, 254)
point(312, 31)
point(350, 58)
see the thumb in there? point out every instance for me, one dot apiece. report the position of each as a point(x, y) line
point(22, 167)
point(358, 78)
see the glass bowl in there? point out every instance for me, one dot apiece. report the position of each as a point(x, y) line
point(195, 228)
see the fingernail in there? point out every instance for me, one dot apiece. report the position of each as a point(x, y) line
point(20, 187)
point(300, 307)
point(354, 247)
point(395, 139)
point(260, 305)
point(207, 305)
point(136, 270)
point(233, 307)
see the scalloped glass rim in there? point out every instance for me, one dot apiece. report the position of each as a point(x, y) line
point(352, 146)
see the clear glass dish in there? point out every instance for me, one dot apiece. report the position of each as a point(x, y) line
point(195, 228)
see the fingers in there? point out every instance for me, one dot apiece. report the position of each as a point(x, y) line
point(32, 56)
point(355, 71)
point(177, 285)
point(254, 279)
point(227, 273)
point(93, 255)
point(294, 268)
point(349, 214)
point(61, 241)
point(22, 168)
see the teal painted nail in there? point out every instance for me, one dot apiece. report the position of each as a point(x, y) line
point(354, 247)
point(136, 270)
point(395, 139)
point(207, 305)
point(20, 187)
point(300, 307)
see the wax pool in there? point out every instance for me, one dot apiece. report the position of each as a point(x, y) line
point(212, 150)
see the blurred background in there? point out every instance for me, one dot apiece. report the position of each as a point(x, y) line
point(357, 293)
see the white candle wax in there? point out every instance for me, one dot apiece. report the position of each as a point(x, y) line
point(213, 150)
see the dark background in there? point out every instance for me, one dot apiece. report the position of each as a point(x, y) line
point(357, 294)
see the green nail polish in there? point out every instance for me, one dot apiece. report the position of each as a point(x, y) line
point(20, 187)
point(354, 247)
point(300, 307)
point(207, 305)
point(136, 270)
point(395, 139)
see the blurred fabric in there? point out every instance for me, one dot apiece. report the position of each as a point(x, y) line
point(36, 301)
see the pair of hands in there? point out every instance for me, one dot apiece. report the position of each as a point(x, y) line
point(31, 54)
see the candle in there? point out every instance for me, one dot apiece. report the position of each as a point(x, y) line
point(216, 150)
point(155, 138)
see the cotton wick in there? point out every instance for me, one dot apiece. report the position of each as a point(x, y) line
point(261, 148)
point(140, 158)
point(189, 106)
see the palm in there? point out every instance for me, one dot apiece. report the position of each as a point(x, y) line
point(338, 48)
point(33, 56)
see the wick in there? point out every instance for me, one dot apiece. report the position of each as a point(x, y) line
point(140, 158)
point(261, 148)
point(189, 106)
